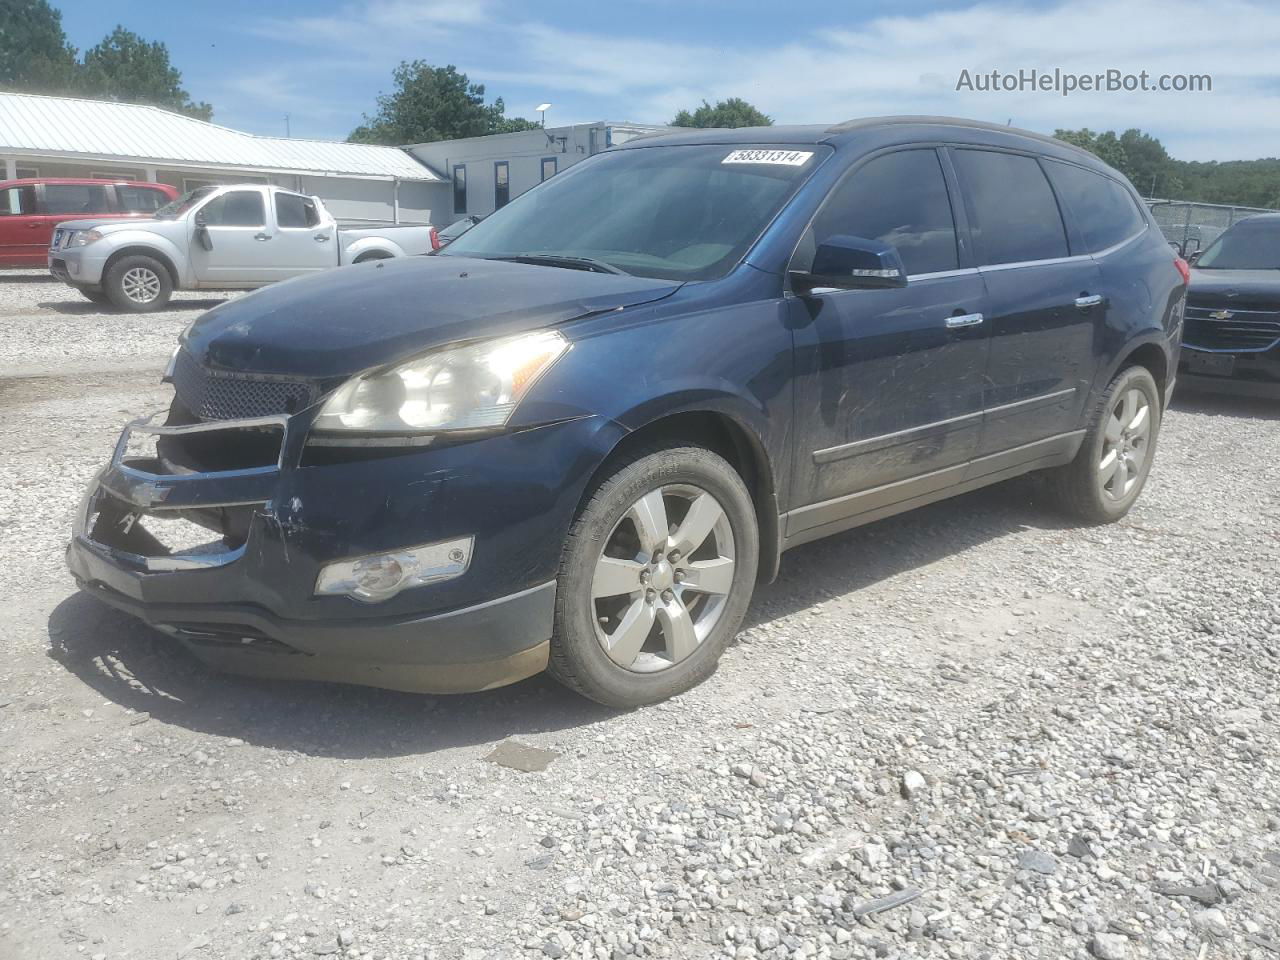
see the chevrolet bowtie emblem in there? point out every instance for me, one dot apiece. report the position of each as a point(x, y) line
point(1221, 315)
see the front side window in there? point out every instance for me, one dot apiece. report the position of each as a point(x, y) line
point(900, 199)
point(676, 212)
point(548, 167)
point(1105, 211)
point(1013, 214)
point(1252, 244)
point(75, 198)
point(238, 208)
point(295, 211)
point(17, 200)
point(460, 189)
point(501, 184)
point(140, 199)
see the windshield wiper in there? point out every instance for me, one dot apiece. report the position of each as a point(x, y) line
point(558, 260)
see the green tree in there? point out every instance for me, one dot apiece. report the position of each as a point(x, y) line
point(734, 112)
point(34, 53)
point(126, 67)
point(434, 103)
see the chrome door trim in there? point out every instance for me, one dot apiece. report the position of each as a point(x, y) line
point(898, 437)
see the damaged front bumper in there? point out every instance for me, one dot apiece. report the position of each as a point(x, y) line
point(226, 560)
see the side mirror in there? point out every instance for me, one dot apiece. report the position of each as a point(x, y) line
point(202, 231)
point(852, 263)
point(1193, 256)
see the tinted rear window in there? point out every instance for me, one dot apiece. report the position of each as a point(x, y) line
point(1012, 210)
point(295, 211)
point(901, 199)
point(1105, 211)
point(17, 200)
point(75, 198)
point(140, 199)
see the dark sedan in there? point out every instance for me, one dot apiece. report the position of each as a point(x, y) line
point(1231, 337)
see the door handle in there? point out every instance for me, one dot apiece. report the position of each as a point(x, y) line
point(964, 320)
point(322, 238)
point(1084, 303)
point(262, 236)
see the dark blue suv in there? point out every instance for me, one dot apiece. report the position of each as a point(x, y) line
point(577, 437)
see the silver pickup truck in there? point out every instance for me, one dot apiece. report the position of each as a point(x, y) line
point(217, 238)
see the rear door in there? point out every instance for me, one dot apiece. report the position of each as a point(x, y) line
point(67, 201)
point(889, 384)
point(304, 240)
point(20, 228)
point(1044, 300)
point(238, 234)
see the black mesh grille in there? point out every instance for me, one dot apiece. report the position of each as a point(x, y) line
point(1231, 329)
point(214, 395)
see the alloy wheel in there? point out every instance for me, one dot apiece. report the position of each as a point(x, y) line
point(1126, 444)
point(140, 284)
point(663, 577)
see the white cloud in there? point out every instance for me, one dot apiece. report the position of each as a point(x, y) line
point(895, 64)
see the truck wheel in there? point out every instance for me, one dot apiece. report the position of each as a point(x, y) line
point(1105, 478)
point(656, 576)
point(137, 284)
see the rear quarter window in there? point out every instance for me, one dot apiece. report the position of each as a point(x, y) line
point(1104, 210)
point(140, 199)
point(1013, 213)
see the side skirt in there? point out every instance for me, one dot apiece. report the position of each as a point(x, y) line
point(818, 520)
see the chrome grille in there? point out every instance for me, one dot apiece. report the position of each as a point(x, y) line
point(217, 395)
point(1234, 328)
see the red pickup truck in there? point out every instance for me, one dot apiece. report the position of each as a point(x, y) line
point(29, 210)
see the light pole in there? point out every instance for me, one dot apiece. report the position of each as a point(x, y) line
point(542, 108)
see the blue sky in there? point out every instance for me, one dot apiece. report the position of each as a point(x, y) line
point(324, 61)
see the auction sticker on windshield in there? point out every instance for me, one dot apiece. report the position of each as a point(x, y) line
point(787, 158)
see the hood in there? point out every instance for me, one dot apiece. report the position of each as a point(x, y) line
point(103, 223)
point(1228, 285)
point(349, 319)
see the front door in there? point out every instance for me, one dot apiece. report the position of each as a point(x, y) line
point(1044, 302)
point(237, 254)
point(890, 383)
point(20, 229)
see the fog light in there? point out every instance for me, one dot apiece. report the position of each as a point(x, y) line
point(381, 576)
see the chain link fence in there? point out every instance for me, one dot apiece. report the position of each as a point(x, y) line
point(1193, 226)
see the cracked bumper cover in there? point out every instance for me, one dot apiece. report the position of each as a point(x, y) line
point(251, 607)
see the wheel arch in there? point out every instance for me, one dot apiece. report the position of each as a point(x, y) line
point(730, 437)
point(1151, 353)
point(142, 250)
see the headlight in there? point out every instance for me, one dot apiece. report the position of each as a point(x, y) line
point(464, 388)
point(82, 238)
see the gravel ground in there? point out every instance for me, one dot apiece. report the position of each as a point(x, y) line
point(974, 731)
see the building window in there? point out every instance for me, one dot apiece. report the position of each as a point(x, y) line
point(191, 183)
point(549, 167)
point(26, 173)
point(501, 184)
point(111, 175)
point(460, 188)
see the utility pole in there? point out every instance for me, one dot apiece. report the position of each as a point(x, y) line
point(286, 126)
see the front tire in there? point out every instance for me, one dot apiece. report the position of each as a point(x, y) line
point(1104, 480)
point(137, 284)
point(656, 576)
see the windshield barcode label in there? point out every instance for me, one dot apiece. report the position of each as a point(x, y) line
point(787, 158)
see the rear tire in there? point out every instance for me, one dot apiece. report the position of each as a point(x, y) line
point(1104, 480)
point(656, 576)
point(137, 284)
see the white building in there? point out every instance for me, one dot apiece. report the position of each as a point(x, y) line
point(487, 172)
point(66, 137)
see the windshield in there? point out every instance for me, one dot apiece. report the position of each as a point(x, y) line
point(176, 208)
point(679, 213)
point(1249, 245)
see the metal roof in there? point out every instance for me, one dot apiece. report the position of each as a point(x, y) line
point(103, 130)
